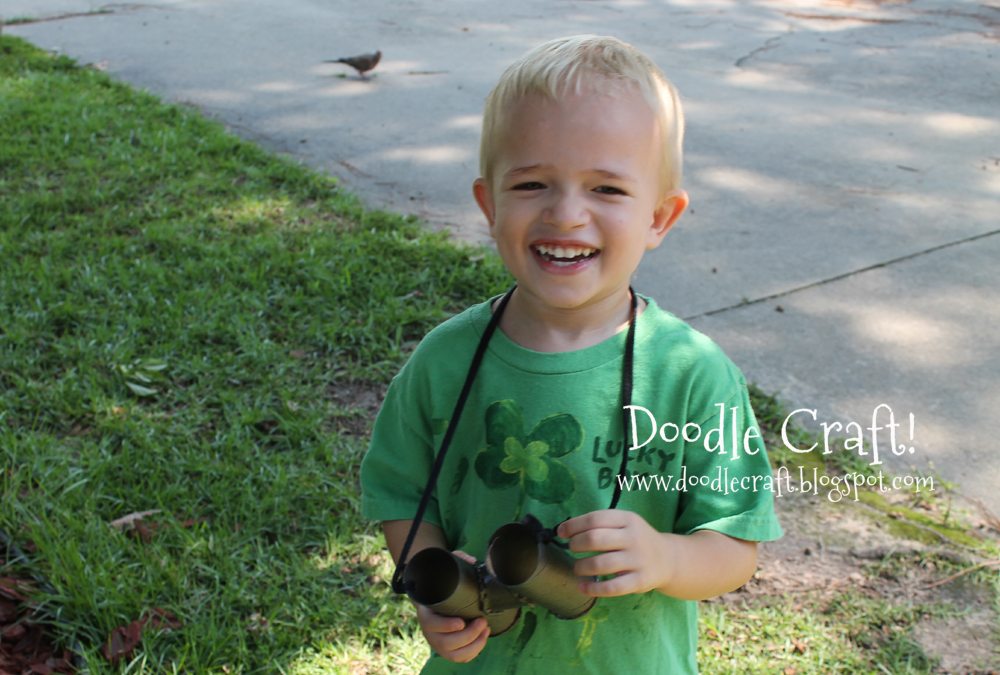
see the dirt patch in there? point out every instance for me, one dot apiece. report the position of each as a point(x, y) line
point(829, 548)
point(965, 644)
point(356, 404)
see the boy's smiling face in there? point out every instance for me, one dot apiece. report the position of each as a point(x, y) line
point(575, 196)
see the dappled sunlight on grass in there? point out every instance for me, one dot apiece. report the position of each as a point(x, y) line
point(251, 213)
point(176, 305)
point(404, 654)
point(802, 635)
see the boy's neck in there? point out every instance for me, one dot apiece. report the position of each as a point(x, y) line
point(540, 328)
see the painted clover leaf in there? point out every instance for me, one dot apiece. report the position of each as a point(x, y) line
point(526, 459)
point(513, 458)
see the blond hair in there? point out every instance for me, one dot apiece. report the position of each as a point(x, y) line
point(587, 64)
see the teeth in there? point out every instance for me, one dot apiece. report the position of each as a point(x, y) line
point(563, 251)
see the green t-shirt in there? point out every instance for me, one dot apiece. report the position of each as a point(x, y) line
point(541, 433)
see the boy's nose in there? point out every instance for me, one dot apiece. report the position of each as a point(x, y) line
point(566, 210)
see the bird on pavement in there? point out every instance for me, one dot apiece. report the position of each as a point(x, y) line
point(362, 63)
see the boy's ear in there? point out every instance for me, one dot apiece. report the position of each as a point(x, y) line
point(484, 197)
point(670, 209)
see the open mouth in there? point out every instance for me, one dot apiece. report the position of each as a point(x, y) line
point(564, 256)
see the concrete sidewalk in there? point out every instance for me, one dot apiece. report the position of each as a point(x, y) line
point(841, 154)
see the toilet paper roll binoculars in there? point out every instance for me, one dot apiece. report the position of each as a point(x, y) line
point(521, 569)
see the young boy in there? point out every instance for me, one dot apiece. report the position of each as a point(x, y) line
point(581, 164)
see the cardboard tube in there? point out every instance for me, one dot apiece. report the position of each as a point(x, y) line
point(443, 582)
point(542, 573)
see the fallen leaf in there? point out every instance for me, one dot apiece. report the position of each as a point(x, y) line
point(31, 639)
point(9, 588)
point(119, 523)
point(141, 390)
point(158, 618)
point(800, 647)
point(297, 353)
point(122, 641)
point(62, 664)
point(142, 532)
point(13, 633)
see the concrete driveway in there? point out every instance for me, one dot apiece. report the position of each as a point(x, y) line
point(843, 159)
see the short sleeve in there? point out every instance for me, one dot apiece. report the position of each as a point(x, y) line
point(394, 472)
point(728, 484)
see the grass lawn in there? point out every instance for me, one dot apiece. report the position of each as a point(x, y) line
point(178, 312)
point(175, 308)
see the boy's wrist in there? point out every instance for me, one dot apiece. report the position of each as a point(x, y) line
point(704, 564)
point(668, 545)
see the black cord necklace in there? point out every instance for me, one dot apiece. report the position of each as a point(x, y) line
point(477, 360)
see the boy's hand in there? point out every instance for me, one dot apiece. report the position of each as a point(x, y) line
point(451, 636)
point(693, 566)
point(630, 549)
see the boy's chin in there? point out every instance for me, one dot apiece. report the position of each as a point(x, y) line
point(572, 300)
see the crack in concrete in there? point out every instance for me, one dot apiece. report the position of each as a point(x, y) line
point(839, 17)
point(747, 303)
point(767, 46)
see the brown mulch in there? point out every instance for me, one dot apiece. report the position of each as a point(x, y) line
point(26, 646)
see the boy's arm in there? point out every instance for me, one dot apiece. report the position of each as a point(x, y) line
point(428, 535)
point(693, 566)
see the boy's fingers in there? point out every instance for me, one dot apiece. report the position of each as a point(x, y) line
point(465, 556)
point(621, 585)
point(462, 653)
point(590, 521)
point(605, 563)
point(600, 539)
point(461, 638)
point(433, 622)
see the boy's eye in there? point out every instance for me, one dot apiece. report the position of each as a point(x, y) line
point(609, 190)
point(530, 185)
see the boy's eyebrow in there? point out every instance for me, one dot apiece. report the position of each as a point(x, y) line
point(612, 174)
point(601, 172)
point(521, 169)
